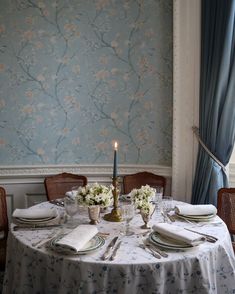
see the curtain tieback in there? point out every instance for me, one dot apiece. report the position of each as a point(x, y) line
point(196, 132)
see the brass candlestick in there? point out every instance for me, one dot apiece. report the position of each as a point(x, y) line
point(115, 214)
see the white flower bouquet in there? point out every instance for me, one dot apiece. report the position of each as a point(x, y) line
point(142, 198)
point(95, 194)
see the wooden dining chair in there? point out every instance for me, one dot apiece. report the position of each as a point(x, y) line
point(3, 228)
point(226, 210)
point(135, 181)
point(57, 185)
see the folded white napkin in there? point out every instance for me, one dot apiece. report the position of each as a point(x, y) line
point(78, 238)
point(178, 233)
point(197, 209)
point(34, 213)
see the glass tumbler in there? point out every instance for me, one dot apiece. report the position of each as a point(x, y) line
point(166, 207)
point(157, 200)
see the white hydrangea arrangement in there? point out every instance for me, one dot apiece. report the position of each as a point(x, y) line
point(142, 198)
point(95, 194)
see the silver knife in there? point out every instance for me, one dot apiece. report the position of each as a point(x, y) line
point(114, 253)
point(36, 227)
point(171, 217)
point(149, 250)
point(209, 238)
point(109, 248)
point(158, 250)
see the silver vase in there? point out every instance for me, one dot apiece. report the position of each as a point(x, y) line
point(94, 214)
point(146, 218)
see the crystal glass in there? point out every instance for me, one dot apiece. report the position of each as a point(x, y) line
point(128, 212)
point(71, 207)
point(166, 207)
point(157, 200)
point(74, 190)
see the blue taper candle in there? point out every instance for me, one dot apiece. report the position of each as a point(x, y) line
point(115, 161)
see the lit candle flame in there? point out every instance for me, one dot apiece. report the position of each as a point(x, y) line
point(115, 145)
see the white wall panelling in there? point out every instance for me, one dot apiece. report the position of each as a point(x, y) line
point(186, 61)
point(25, 183)
point(232, 174)
point(9, 200)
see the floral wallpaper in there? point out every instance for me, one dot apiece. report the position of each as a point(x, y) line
point(77, 75)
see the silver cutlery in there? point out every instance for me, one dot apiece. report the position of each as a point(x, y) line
point(202, 224)
point(166, 217)
point(34, 227)
point(149, 250)
point(171, 217)
point(209, 238)
point(195, 223)
point(40, 243)
point(104, 235)
point(158, 250)
point(109, 248)
point(114, 253)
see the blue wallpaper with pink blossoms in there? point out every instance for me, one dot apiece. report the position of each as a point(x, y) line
point(76, 75)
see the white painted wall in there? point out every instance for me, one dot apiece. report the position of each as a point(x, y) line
point(186, 61)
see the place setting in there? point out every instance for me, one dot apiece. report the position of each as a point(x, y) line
point(195, 215)
point(84, 239)
point(167, 231)
point(172, 237)
point(36, 218)
point(166, 237)
point(199, 212)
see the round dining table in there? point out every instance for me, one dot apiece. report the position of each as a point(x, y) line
point(206, 268)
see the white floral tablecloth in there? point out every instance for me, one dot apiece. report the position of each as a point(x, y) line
point(208, 268)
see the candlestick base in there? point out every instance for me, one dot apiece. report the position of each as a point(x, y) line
point(114, 215)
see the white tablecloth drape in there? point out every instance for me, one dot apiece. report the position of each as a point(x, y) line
point(207, 268)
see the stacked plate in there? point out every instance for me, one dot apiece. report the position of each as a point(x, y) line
point(167, 243)
point(196, 212)
point(94, 244)
point(34, 216)
point(197, 218)
point(34, 221)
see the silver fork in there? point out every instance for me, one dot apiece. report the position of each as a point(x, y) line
point(149, 250)
point(157, 249)
point(194, 223)
point(40, 243)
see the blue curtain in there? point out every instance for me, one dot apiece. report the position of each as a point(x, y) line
point(217, 98)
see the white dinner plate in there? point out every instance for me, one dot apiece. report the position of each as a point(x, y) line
point(198, 218)
point(34, 220)
point(168, 243)
point(94, 244)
